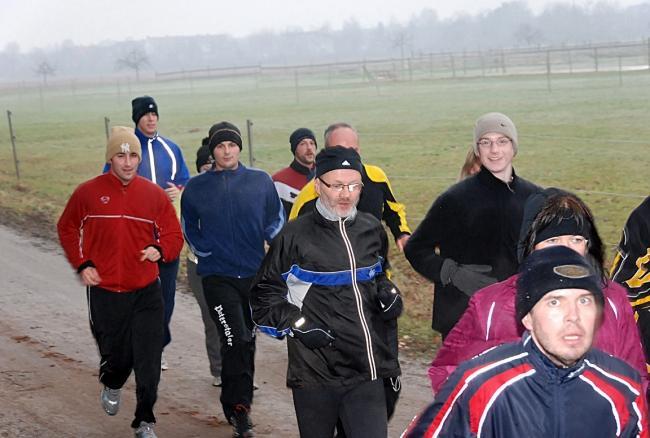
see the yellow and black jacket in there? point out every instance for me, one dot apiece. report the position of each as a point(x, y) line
point(376, 198)
point(631, 266)
point(632, 259)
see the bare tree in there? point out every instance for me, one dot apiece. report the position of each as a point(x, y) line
point(134, 60)
point(44, 70)
point(528, 34)
point(401, 40)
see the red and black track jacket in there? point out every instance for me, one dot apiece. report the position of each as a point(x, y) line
point(515, 391)
point(107, 224)
point(289, 181)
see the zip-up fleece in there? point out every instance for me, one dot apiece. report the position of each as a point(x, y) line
point(162, 161)
point(106, 224)
point(491, 320)
point(226, 216)
point(327, 271)
point(515, 391)
point(476, 221)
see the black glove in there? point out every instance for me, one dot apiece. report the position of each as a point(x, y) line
point(390, 300)
point(311, 335)
point(467, 278)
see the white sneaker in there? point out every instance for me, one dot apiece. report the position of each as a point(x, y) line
point(110, 399)
point(145, 430)
point(216, 381)
point(164, 366)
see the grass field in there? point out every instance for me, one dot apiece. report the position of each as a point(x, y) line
point(588, 135)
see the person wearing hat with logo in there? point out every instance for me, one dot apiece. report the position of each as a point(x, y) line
point(162, 163)
point(468, 238)
point(377, 197)
point(323, 283)
point(551, 217)
point(227, 215)
point(290, 180)
point(114, 230)
point(552, 382)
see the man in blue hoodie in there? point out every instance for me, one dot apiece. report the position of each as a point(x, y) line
point(227, 214)
point(162, 163)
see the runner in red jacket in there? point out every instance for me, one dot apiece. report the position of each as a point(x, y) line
point(114, 230)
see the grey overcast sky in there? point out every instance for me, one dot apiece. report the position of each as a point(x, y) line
point(46, 23)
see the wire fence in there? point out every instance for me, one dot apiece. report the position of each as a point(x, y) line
point(597, 58)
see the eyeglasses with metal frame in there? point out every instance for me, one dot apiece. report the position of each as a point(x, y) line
point(486, 143)
point(339, 187)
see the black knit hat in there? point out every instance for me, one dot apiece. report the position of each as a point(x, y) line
point(553, 268)
point(141, 106)
point(337, 157)
point(203, 155)
point(223, 131)
point(299, 135)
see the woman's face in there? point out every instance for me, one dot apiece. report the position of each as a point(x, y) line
point(577, 243)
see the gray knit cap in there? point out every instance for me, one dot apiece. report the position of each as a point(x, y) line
point(495, 122)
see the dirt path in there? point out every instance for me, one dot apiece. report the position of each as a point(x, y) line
point(48, 363)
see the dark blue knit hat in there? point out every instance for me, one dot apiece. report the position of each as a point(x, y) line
point(553, 268)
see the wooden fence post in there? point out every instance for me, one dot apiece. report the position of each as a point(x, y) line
point(249, 132)
point(13, 144)
point(548, 70)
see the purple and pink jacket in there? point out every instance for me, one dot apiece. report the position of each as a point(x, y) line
point(491, 320)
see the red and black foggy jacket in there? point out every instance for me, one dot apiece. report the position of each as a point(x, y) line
point(515, 391)
point(107, 224)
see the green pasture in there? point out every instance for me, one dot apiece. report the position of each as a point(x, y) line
point(588, 134)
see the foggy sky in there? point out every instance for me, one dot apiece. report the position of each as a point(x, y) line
point(47, 23)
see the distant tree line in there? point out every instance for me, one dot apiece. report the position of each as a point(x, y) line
point(510, 25)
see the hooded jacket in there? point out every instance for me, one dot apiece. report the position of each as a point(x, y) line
point(515, 391)
point(327, 271)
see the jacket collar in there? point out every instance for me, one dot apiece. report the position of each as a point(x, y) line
point(142, 135)
point(303, 170)
point(115, 181)
point(321, 219)
point(240, 169)
point(488, 178)
point(548, 369)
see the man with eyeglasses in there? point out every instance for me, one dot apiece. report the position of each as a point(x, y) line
point(323, 283)
point(227, 216)
point(468, 239)
point(377, 197)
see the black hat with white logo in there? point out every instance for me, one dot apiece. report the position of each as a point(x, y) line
point(337, 157)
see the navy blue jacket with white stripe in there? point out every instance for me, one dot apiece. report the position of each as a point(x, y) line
point(515, 391)
point(226, 216)
point(328, 271)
